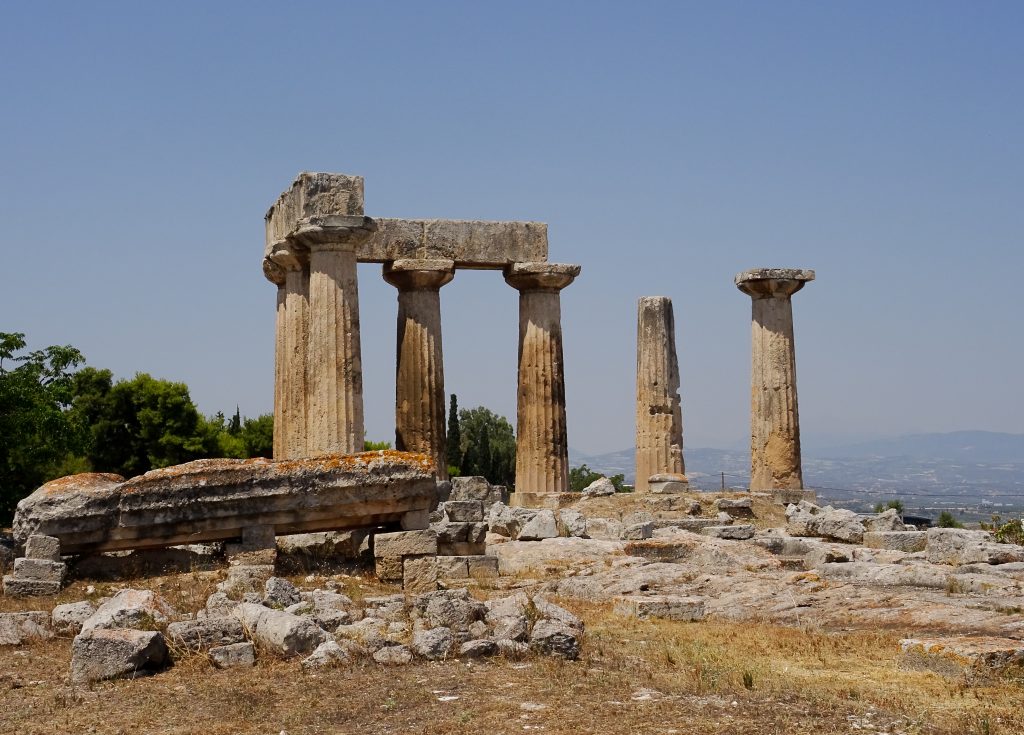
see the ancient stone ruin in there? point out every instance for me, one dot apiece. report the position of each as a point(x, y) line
point(774, 417)
point(316, 234)
point(659, 413)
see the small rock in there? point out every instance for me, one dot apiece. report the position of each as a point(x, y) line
point(433, 644)
point(553, 637)
point(602, 486)
point(329, 654)
point(279, 631)
point(196, 635)
point(233, 655)
point(130, 609)
point(67, 619)
point(18, 628)
point(393, 656)
point(280, 593)
point(477, 649)
point(541, 526)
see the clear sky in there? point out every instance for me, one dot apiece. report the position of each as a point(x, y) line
point(668, 145)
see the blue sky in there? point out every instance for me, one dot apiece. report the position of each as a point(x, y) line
point(668, 146)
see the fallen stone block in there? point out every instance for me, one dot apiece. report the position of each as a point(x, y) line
point(973, 656)
point(197, 635)
point(280, 593)
point(68, 619)
point(19, 628)
point(433, 644)
point(600, 487)
point(889, 520)
point(389, 568)
point(332, 653)
point(541, 526)
point(17, 587)
point(46, 548)
point(732, 533)
point(393, 655)
point(478, 488)
point(693, 525)
point(40, 570)
point(477, 649)
point(130, 609)
point(736, 507)
point(221, 499)
point(572, 523)
point(405, 543)
point(464, 511)
point(960, 546)
point(233, 655)
point(102, 653)
point(555, 638)
point(278, 631)
point(669, 607)
point(668, 483)
point(419, 574)
point(908, 541)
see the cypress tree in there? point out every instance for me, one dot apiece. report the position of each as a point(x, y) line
point(454, 435)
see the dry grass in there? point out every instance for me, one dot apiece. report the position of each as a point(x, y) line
point(634, 677)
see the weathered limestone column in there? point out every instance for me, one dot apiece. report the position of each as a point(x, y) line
point(774, 418)
point(659, 415)
point(419, 367)
point(542, 449)
point(290, 361)
point(275, 274)
point(334, 419)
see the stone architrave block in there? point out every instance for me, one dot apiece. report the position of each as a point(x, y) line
point(464, 511)
point(670, 607)
point(40, 570)
point(46, 548)
point(419, 575)
point(405, 543)
point(909, 541)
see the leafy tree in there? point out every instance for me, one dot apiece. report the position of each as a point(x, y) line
point(882, 507)
point(143, 423)
point(375, 446)
point(258, 436)
point(454, 438)
point(580, 477)
point(947, 520)
point(488, 446)
point(35, 431)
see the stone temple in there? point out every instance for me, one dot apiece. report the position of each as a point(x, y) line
point(317, 233)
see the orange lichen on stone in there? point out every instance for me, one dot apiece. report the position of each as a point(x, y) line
point(82, 482)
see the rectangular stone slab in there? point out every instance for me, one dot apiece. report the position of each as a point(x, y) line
point(215, 499)
point(324, 201)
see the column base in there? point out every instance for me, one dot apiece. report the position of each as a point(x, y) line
point(551, 501)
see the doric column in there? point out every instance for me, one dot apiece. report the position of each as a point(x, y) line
point(334, 420)
point(542, 449)
point(291, 339)
point(419, 366)
point(774, 418)
point(659, 415)
point(275, 274)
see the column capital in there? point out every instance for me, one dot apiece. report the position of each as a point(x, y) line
point(273, 272)
point(419, 275)
point(541, 276)
point(769, 283)
point(343, 232)
point(288, 258)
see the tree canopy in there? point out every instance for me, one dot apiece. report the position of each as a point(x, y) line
point(487, 447)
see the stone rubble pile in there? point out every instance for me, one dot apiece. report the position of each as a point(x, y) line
point(136, 632)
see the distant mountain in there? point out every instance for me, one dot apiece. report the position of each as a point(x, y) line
point(967, 446)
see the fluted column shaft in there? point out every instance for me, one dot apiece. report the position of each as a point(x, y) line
point(275, 274)
point(419, 365)
point(775, 459)
point(334, 421)
point(659, 416)
point(290, 361)
point(542, 448)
